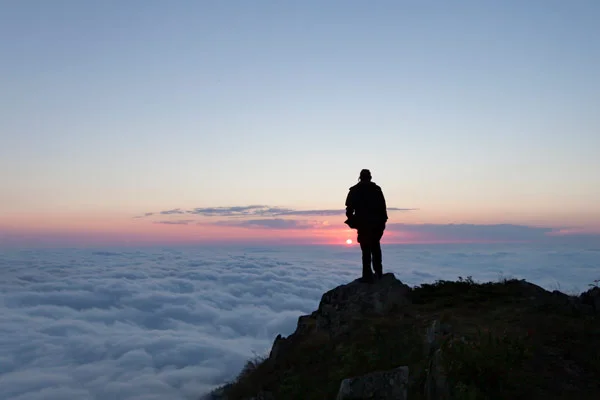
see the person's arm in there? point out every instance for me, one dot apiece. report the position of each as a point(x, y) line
point(349, 205)
point(383, 206)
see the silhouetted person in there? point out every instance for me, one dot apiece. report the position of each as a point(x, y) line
point(367, 212)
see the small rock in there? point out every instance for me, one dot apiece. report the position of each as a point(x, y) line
point(380, 385)
point(592, 298)
point(434, 336)
point(436, 385)
point(570, 303)
point(530, 290)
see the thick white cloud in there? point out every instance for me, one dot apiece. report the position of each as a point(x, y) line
point(174, 323)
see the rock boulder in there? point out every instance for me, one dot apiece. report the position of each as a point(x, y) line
point(379, 385)
point(339, 307)
point(592, 298)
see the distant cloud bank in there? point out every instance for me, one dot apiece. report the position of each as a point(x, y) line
point(473, 232)
point(173, 323)
point(266, 217)
point(271, 223)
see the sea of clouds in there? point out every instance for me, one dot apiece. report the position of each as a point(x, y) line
point(173, 323)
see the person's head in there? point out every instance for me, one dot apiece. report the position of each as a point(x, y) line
point(365, 175)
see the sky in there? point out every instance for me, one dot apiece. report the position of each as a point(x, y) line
point(476, 116)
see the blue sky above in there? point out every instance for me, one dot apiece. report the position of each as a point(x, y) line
point(470, 111)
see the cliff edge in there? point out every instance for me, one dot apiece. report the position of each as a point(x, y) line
point(462, 340)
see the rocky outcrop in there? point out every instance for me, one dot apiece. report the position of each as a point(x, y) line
point(339, 310)
point(345, 316)
point(341, 307)
point(379, 385)
point(280, 346)
point(344, 306)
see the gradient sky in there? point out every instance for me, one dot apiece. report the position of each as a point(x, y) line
point(470, 112)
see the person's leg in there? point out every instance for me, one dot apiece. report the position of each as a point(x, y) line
point(365, 246)
point(377, 258)
point(377, 262)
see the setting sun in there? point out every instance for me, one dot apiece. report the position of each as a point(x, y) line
point(349, 241)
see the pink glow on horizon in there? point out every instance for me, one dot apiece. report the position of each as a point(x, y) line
point(183, 235)
point(116, 229)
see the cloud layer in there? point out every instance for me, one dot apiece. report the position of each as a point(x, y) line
point(173, 323)
point(272, 223)
point(473, 232)
point(278, 218)
point(257, 211)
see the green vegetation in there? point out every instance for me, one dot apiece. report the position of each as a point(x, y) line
point(508, 340)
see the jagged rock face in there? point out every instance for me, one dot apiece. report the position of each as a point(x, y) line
point(306, 324)
point(380, 385)
point(340, 306)
point(279, 347)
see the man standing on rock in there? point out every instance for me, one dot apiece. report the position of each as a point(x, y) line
point(367, 212)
